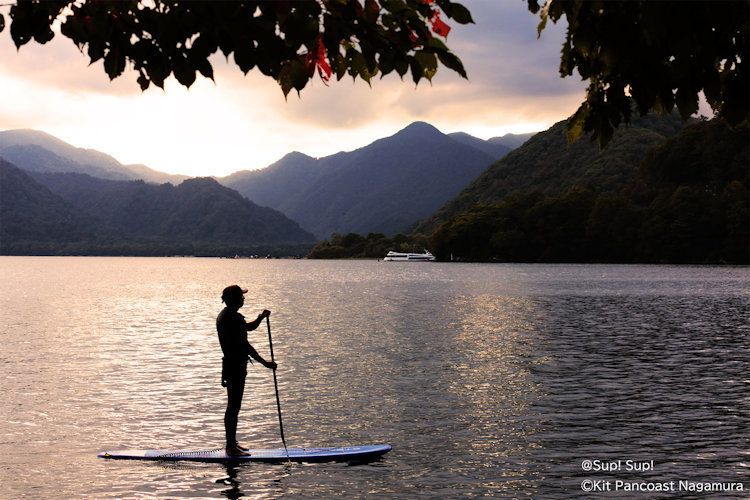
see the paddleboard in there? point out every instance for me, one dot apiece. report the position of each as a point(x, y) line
point(340, 454)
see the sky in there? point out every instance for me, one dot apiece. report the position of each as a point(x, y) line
point(243, 122)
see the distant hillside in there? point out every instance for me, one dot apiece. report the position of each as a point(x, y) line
point(32, 217)
point(79, 214)
point(547, 163)
point(197, 210)
point(383, 187)
point(687, 204)
point(512, 141)
point(696, 187)
point(280, 181)
point(37, 151)
point(495, 149)
point(708, 155)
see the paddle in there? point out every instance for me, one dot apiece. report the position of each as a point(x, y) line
point(276, 387)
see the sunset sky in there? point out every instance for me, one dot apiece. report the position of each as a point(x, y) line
point(243, 122)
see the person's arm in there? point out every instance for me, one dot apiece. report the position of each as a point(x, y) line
point(257, 357)
point(252, 325)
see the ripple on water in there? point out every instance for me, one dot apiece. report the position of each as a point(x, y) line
point(488, 380)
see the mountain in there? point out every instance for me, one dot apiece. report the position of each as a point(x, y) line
point(549, 164)
point(512, 141)
point(62, 213)
point(197, 210)
point(37, 151)
point(271, 186)
point(495, 149)
point(32, 217)
point(382, 187)
point(708, 155)
point(695, 188)
point(496, 146)
point(686, 204)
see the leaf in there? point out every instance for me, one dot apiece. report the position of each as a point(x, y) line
point(437, 45)
point(244, 57)
point(158, 70)
point(416, 70)
point(603, 133)
point(293, 75)
point(184, 72)
point(204, 45)
point(402, 66)
point(577, 121)
point(143, 81)
point(555, 8)
point(460, 14)
point(357, 65)
point(114, 63)
point(339, 66)
point(542, 24)
point(428, 62)
point(451, 61)
point(96, 51)
point(205, 69)
point(43, 34)
point(21, 24)
point(386, 63)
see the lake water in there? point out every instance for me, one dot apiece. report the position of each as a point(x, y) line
point(488, 380)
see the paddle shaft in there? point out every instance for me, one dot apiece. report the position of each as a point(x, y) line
point(276, 387)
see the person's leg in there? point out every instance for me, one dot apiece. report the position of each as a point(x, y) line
point(235, 391)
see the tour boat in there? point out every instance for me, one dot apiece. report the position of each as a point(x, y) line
point(409, 257)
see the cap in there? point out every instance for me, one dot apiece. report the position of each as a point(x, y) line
point(232, 291)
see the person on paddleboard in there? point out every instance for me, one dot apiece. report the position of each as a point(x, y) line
point(232, 329)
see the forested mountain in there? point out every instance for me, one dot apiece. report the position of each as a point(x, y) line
point(33, 218)
point(494, 149)
point(695, 188)
point(272, 186)
point(105, 216)
point(198, 209)
point(496, 146)
point(36, 151)
point(513, 141)
point(686, 203)
point(547, 163)
point(658, 193)
point(383, 187)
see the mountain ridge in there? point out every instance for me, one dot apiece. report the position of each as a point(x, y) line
point(35, 150)
point(58, 213)
point(381, 187)
point(548, 163)
point(198, 209)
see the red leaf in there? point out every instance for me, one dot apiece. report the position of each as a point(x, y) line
point(412, 36)
point(438, 26)
point(317, 58)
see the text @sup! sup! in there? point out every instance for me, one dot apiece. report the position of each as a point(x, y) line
point(617, 465)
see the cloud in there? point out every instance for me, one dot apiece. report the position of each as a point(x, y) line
point(243, 122)
point(59, 65)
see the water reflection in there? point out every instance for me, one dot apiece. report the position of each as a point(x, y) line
point(488, 380)
point(233, 491)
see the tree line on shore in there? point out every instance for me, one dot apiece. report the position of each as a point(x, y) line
point(687, 203)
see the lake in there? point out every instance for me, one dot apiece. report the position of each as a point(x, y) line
point(507, 381)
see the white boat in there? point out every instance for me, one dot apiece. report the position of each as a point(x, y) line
point(409, 257)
